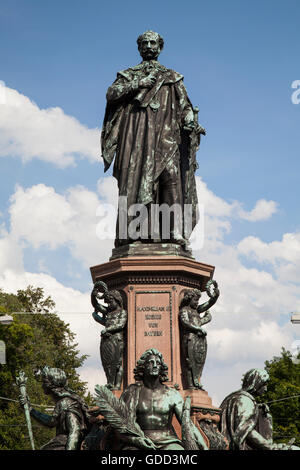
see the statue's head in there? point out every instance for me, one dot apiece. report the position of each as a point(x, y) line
point(255, 381)
point(53, 378)
point(114, 299)
point(150, 44)
point(191, 297)
point(151, 363)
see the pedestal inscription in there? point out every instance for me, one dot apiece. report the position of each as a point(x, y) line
point(153, 323)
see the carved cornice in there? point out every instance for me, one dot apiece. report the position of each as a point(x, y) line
point(155, 270)
point(123, 280)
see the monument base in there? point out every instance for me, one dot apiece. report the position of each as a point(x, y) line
point(151, 249)
point(152, 289)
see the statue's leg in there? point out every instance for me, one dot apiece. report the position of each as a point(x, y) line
point(187, 366)
point(119, 359)
point(170, 194)
point(203, 359)
point(193, 354)
point(189, 378)
point(174, 446)
point(107, 353)
point(119, 377)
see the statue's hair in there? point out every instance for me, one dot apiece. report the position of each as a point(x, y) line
point(117, 296)
point(56, 380)
point(254, 379)
point(188, 296)
point(54, 377)
point(140, 365)
point(160, 39)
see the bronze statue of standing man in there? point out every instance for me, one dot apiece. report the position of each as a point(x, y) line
point(147, 125)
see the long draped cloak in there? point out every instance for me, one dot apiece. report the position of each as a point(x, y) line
point(194, 343)
point(240, 415)
point(143, 130)
point(69, 404)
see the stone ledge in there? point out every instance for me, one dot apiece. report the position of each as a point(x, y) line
point(151, 249)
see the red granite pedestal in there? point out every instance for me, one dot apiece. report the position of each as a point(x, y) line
point(153, 287)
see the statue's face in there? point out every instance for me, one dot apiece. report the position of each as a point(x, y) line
point(149, 47)
point(109, 299)
point(262, 389)
point(46, 387)
point(152, 366)
point(195, 301)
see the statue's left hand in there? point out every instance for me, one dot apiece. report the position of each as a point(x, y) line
point(201, 130)
point(215, 289)
point(265, 408)
point(189, 126)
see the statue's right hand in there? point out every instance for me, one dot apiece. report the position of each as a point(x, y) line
point(201, 333)
point(23, 401)
point(147, 82)
point(105, 334)
point(144, 443)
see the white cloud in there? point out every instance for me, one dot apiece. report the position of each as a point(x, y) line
point(282, 256)
point(11, 252)
point(263, 210)
point(48, 134)
point(67, 299)
point(217, 207)
point(42, 217)
point(108, 190)
point(288, 249)
point(214, 205)
point(93, 374)
point(258, 341)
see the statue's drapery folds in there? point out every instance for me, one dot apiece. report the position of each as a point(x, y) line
point(144, 130)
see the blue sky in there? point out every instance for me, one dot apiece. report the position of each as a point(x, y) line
point(239, 59)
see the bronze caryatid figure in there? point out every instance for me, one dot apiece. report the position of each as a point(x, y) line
point(193, 337)
point(151, 129)
point(114, 319)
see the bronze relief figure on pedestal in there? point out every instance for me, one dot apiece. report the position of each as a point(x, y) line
point(114, 319)
point(193, 337)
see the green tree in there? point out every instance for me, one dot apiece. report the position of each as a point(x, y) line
point(284, 382)
point(36, 337)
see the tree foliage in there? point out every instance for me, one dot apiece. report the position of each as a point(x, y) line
point(284, 382)
point(37, 337)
